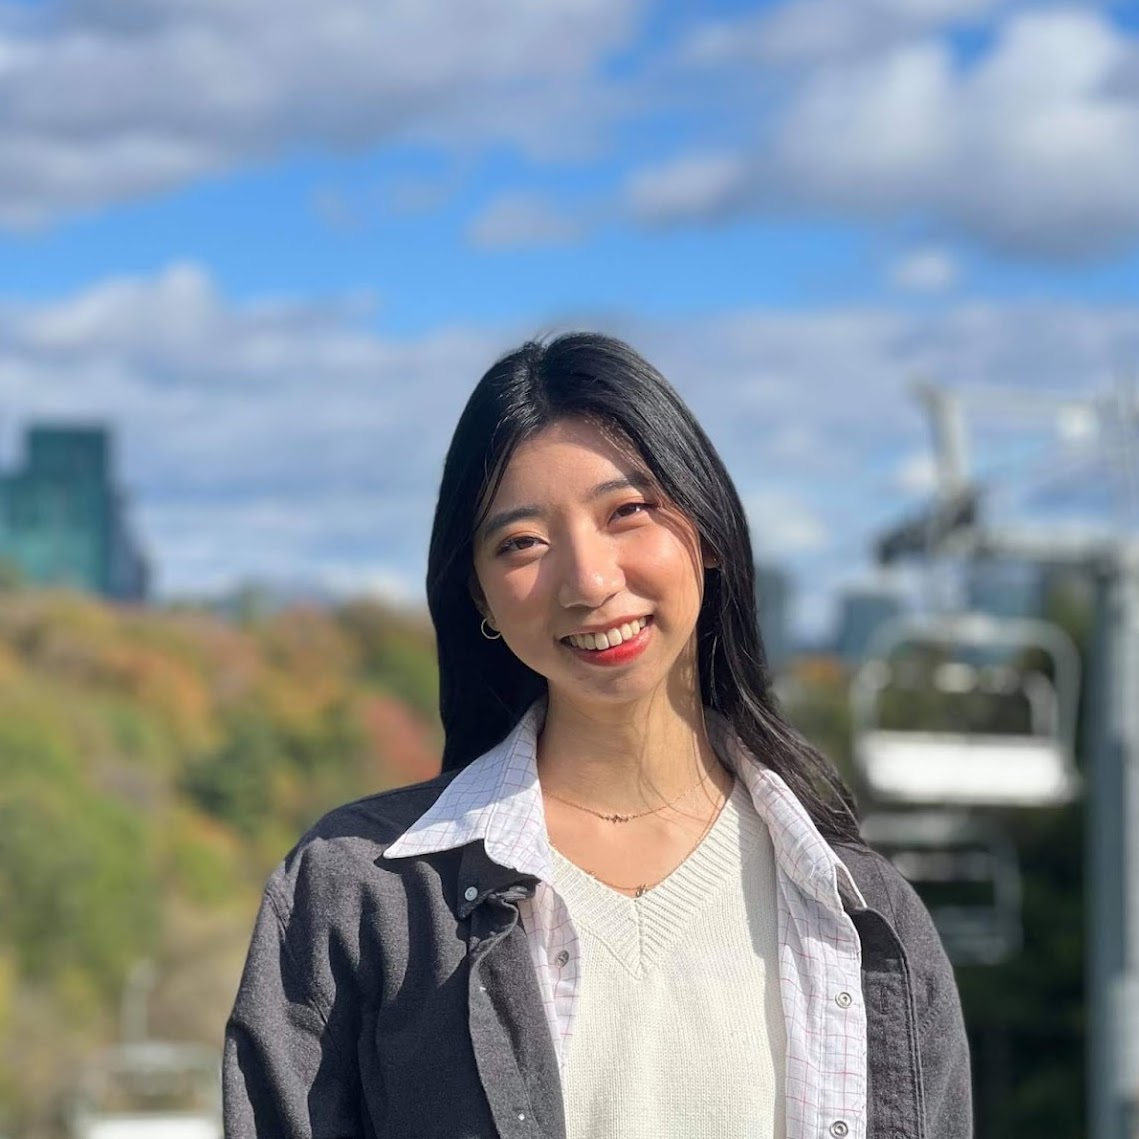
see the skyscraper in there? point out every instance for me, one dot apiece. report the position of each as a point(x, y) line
point(862, 610)
point(63, 522)
point(1005, 588)
point(773, 600)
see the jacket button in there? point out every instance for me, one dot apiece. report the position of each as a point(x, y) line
point(843, 1000)
point(562, 957)
point(470, 893)
point(839, 1129)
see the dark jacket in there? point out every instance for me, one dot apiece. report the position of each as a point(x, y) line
point(377, 1002)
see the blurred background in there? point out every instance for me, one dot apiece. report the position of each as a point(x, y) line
point(253, 256)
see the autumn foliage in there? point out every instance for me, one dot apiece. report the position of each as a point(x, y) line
point(154, 765)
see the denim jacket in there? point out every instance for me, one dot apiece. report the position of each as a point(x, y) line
point(380, 1001)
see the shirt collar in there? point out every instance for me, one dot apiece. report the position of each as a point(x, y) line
point(497, 799)
point(800, 850)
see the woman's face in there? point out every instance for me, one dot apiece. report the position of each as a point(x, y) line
point(577, 542)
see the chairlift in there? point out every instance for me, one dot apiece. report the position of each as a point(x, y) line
point(967, 873)
point(150, 1090)
point(1031, 768)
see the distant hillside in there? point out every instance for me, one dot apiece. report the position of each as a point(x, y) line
point(154, 766)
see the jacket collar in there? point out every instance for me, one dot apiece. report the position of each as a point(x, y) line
point(493, 809)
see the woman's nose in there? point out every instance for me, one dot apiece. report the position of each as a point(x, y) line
point(590, 572)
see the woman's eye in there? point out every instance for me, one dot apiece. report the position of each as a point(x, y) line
point(513, 545)
point(629, 509)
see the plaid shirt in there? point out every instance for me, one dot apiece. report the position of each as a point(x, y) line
point(498, 799)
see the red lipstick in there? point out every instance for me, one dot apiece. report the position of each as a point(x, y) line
point(615, 654)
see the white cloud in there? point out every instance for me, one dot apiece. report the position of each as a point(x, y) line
point(328, 539)
point(102, 100)
point(522, 220)
point(854, 108)
point(707, 184)
point(812, 31)
point(1033, 148)
point(929, 270)
point(1077, 426)
point(783, 524)
point(917, 473)
point(258, 439)
point(285, 439)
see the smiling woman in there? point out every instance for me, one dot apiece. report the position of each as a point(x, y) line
point(599, 549)
point(636, 902)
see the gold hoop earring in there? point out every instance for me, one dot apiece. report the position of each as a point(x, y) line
point(483, 629)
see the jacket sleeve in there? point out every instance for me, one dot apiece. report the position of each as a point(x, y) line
point(943, 1047)
point(285, 1073)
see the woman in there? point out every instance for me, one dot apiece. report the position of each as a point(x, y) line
point(635, 903)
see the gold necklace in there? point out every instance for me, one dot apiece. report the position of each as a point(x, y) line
point(645, 886)
point(628, 818)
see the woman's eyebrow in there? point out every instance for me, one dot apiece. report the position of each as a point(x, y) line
point(517, 513)
point(636, 481)
point(506, 517)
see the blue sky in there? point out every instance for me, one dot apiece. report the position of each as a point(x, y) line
point(276, 244)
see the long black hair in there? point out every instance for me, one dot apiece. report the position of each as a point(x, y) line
point(483, 688)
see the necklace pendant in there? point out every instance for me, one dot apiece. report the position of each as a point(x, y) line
point(640, 891)
point(618, 818)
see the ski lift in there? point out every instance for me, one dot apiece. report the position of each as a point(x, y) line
point(967, 873)
point(967, 654)
point(155, 1089)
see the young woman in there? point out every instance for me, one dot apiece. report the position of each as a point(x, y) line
point(635, 903)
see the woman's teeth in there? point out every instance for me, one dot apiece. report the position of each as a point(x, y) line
point(607, 640)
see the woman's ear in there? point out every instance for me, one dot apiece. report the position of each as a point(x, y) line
point(710, 557)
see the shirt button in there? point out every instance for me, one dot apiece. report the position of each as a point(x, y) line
point(844, 1000)
point(562, 957)
point(839, 1129)
point(470, 893)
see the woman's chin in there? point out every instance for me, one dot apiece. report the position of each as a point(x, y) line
point(610, 687)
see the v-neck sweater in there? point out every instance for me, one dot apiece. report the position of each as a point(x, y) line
point(681, 1032)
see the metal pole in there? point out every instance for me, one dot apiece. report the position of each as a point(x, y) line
point(1111, 751)
point(949, 439)
point(1126, 1002)
point(1104, 937)
point(133, 1020)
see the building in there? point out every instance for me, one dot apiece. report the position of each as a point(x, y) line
point(62, 520)
point(862, 611)
point(773, 601)
point(1005, 588)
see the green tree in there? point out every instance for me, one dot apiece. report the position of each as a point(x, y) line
point(233, 783)
point(1025, 1016)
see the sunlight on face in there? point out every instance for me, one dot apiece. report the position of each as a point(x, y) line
point(579, 540)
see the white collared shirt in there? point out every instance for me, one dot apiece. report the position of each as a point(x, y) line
point(498, 799)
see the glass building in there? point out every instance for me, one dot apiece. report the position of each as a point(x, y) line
point(62, 520)
point(862, 610)
point(773, 601)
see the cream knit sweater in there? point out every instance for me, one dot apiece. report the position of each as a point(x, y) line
point(680, 1029)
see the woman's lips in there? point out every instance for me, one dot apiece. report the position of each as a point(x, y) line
point(615, 654)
